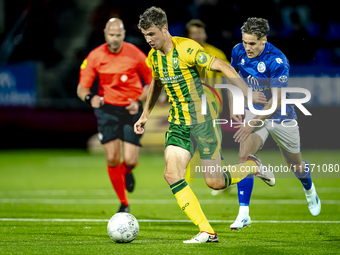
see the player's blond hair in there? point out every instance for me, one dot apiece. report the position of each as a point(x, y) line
point(154, 16)
point(256, 26)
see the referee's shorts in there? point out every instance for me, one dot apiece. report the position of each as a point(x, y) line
point(115, 122)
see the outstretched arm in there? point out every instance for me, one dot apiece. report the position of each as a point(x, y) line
point(235, 79)
point(244, 131)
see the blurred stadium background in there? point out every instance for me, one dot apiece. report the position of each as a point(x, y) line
point(43, 42)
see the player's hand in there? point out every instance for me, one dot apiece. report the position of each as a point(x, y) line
point(243, 133)
point(132, 107)
point(237, 118)
point(259, 98)
point(97, 101)
point(139, 126)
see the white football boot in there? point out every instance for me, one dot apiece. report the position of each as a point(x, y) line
point(263, 172)
point(203, 237)
point(313, 201)
point(241, 221)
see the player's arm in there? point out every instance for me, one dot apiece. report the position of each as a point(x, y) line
point(133, 107)
point(144, 94)
point(151, 100)
point(235, 79)
point(85, 94)
point(86, 77)
point(230, 73)
point(245, 130)
point(258, 118)
point(237, 117)
point(145, 73)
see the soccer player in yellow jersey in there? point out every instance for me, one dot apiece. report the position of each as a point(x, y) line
point(177, 65)
point(196, 30)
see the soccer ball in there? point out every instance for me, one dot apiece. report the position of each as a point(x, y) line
point(123, 227)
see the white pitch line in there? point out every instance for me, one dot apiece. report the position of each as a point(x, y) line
point(156, 201)
point(167, 221)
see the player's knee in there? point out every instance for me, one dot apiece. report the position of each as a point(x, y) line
point(168, 177)
point(171, 177)
point(113, 160)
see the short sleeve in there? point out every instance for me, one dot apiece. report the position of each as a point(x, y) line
point(150, 64)
point(204, 60)
point(279, 72)
point(87, 72)
point(193, 53)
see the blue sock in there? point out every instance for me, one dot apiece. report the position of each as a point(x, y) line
point(245, 188)
point(305, 177)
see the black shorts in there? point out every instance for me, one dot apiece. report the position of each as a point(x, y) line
point(115, 122)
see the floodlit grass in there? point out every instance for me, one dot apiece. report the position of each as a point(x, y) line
point(73, 187)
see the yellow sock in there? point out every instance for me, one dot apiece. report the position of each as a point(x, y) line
point(188, 202)
point(240, 171)
point(188, 174)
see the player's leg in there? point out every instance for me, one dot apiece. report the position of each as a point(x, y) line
point(176, 161)
point(245, 187)
point(178, 153)
point(302, 172)
point(110, 135)
point(217, 175)
point(130, 162)
point(287, 137)
point(130, 148)
point(115, 171)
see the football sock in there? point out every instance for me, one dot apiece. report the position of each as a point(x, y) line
point(118, 182)
point(125, 169)
point(188, 202)
point(245, 188)
point(305, 177)
point(243, 210)
point(188, 174)
point(239, 172)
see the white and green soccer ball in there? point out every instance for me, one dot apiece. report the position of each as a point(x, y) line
point(123, 227)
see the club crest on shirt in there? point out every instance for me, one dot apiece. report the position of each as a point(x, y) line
point(261, 67)
point(175, 63)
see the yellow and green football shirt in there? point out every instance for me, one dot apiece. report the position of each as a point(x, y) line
point(181, 71)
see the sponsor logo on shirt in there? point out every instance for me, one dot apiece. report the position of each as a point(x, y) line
point(283, 78)
point(279, 61)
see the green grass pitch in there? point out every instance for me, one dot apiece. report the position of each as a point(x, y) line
point(59, 202)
